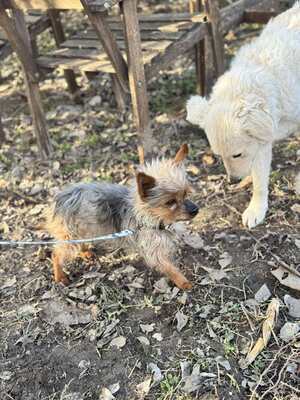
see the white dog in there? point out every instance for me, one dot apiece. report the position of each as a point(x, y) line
point(254, 104)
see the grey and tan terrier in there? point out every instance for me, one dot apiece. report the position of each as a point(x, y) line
point(156, 198)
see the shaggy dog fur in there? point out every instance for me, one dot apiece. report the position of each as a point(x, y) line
point(254, 104)
point(156, 198)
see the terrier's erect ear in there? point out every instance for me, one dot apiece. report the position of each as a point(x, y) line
point(196, 108)
point(144, 184)
point(181, 153)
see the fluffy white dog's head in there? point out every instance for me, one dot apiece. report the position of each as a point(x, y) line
point(236, 128)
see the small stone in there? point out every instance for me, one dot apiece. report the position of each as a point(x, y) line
point(293, 306)
point(289, 331)
point(36, 189)
point(95, 101)
point(263, 294)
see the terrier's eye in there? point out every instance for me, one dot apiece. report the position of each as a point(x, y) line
point(237, 155)
point(171, 203)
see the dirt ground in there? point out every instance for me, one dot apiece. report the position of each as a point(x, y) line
point(120, 330)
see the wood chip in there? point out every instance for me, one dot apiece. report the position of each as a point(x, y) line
point(267, 329)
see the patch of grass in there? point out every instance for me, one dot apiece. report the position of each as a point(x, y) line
point(228, 345)
point(169, 386)
point(125, 157)
point(64, 147)
point(5, 160)
point(173, 92)
point(275, 176)
point(92, 140)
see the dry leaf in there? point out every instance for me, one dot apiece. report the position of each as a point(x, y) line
point(9, 283)
point(146, 328)
point(118, 342)
point(4, 228)
point(6, 375)
point(191, 239)
point(158, 337)
point(193, 169)
point(114, 388)
point(162, 286)
point(156, 372)
point(267, 328)
point(106, 394)
point(143, 388)
point(181, 320)
point(287, 277)
point(145, 341)
point(208, 159)
point(214, 275)
point(225, 260)
point(296, 208)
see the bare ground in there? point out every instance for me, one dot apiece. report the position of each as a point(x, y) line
point(118, 324)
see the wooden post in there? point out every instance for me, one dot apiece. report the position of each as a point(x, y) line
point(137, 81)
point(214, 18)
point(196, 7)
point(98, 20)
point(119, 93)
point(59, 37)
point(17, 33)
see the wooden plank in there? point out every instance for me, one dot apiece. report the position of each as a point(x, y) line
point(32, 85)
point(163, 26)
point(95, 5)
point(109, 44)
point(59, 36)
point(94, 44)
point(214, 19)
point(258, 17)
point(94, 54)
point(231, 16)
point(145, 35)
point(137, 81)
point(84, 60)
point(164, 17)
point(80, 65)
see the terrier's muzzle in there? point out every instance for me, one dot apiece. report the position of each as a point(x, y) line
point(191, 208)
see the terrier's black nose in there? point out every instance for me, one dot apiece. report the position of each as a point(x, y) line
point(191, 208)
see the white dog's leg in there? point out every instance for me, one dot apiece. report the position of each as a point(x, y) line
point(256, 211)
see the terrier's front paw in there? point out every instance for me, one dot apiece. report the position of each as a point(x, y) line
point(254, 215)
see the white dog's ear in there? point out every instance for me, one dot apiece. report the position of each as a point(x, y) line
point(196, 108)
point(258, 120)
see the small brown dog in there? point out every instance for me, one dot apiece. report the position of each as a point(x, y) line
point(155, 199)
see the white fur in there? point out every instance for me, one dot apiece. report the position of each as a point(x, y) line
point(254, 104)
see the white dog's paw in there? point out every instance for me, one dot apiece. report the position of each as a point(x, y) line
point(254, 215)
